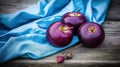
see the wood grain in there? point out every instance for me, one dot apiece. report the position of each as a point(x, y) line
point(114, 11)
point(16, 5)
point(11, 6)
point(107, 55)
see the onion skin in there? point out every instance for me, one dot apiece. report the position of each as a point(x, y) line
point(60, 59)
point(59, 34)
point(91, 34)
point(75, 19)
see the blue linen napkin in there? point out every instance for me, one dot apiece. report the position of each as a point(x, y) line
point(23, 34)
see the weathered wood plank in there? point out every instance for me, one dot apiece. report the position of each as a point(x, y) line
point(20, 1)
point(11, 6)
point(64, 65)
point(16, 5)
point(114, 11)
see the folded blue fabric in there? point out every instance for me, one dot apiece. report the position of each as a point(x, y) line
point(23, 34)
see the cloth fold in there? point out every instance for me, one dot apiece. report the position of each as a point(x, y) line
point(23, 34)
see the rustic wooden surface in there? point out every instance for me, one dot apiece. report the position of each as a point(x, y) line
point(108, 54)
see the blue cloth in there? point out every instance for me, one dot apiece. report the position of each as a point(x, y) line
point(23, 34)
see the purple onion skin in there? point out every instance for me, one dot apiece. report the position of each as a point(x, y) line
point(75, 19)
point(57, 37)
point(89, 37)
point(60, 59)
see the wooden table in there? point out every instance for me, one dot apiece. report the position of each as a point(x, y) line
point(108, 54)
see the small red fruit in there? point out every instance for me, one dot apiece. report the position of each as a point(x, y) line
point(91, 34)
point(59, 34)
point(75, 19)
point(60, 59)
